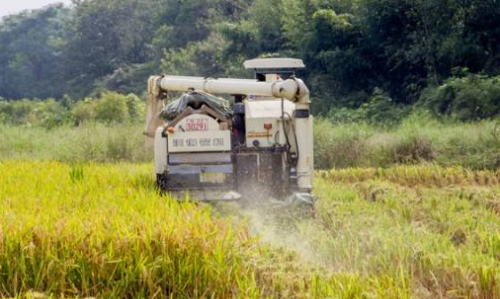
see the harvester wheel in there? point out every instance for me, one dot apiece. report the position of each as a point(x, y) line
point(161, 183)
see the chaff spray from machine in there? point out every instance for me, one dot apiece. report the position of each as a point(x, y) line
point(215, 150)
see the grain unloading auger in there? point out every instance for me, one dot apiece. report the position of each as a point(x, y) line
point(259, 146)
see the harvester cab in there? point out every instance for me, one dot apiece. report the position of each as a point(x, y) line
point(259, 145)
point(270, 70)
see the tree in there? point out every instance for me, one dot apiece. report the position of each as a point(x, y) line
point(108, 35)
point(31, 45)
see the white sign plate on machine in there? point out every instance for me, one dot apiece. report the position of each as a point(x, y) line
point(198, 133)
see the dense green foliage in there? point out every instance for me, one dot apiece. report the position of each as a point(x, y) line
point(444, 54)
point(32, 46)
point(469, 98)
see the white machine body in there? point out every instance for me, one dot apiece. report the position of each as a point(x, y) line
point(268, 141)
point(264, 122)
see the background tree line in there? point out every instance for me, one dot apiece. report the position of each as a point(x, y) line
point(366, 58)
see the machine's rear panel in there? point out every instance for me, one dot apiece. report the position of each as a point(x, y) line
point(200, 171)
point(260, 174)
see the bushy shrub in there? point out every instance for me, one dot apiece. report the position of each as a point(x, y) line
point(413, 149)
point(83, 111)
point(473, 97)
point(345, 115)
point(48, 114)
point(136, 107)
point(379, 110)
point(16, 113)
point(52, 114)
point(382, 110)
point(111, 107)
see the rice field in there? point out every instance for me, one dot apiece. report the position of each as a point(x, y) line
point(102, 231)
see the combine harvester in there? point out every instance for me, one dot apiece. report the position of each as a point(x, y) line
point(214, 150)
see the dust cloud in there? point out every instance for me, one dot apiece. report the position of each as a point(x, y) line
point(274, 222)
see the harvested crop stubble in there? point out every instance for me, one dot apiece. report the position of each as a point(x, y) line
point(429, 175)
point(442, 242)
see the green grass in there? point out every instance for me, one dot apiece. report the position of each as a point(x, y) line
point(91, 142)
point(91, 230)
point(417, 140)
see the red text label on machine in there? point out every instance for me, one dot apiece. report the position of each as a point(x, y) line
point(196, 125)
